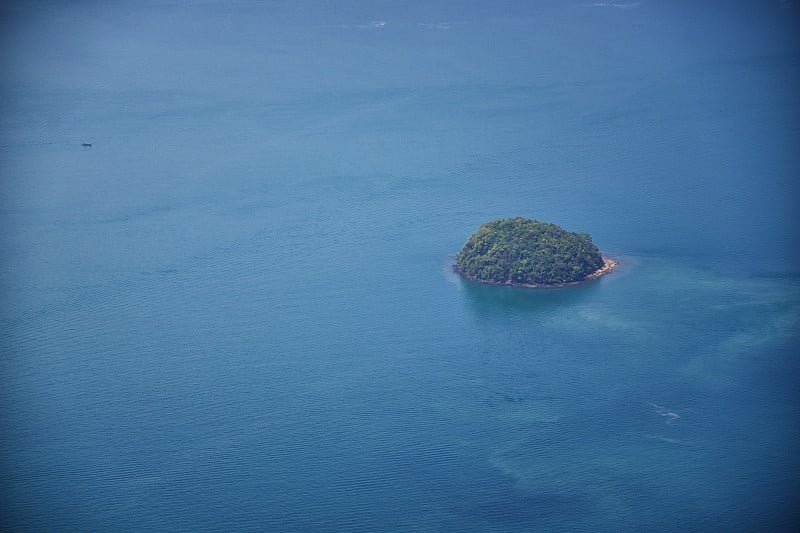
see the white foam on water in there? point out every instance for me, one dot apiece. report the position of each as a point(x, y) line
point(662, 438)
point(671, 416)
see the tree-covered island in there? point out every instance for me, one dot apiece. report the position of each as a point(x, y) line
point(524, 252)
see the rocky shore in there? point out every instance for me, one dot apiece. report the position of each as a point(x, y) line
point(609, 265)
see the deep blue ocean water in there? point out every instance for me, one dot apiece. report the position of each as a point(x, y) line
point(236, 309)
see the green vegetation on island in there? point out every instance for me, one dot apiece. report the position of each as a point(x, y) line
point(520, 251)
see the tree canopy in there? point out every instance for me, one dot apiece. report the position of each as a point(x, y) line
point(527, 252)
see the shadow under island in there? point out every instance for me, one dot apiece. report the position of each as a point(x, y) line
point(485, 298)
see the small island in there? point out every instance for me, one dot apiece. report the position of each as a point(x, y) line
point(528, 253)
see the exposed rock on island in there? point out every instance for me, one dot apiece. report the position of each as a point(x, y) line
point(528, 253)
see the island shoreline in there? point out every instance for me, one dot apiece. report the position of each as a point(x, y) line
point(609, 264)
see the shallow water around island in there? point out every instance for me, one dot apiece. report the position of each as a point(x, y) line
point(236, 310)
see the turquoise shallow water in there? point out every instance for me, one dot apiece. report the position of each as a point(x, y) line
point(236, 310)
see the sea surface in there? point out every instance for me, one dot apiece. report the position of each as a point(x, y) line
point(235, 310)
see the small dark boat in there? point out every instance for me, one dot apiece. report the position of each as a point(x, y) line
point(86, 144)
